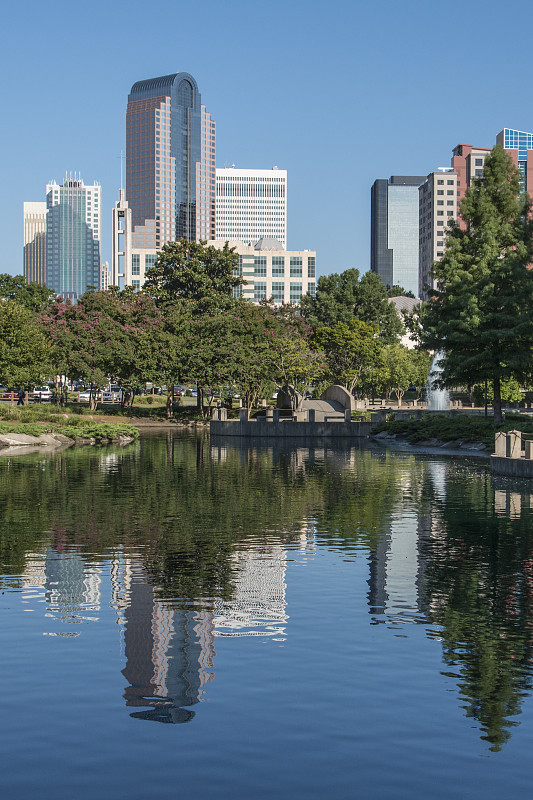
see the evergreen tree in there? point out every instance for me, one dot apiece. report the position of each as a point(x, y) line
point(481, 313)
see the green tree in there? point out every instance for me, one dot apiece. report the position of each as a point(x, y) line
point(344, 297)
point(481, 313)
point(349, 349)
point(106, 335)
point(192, 271)
point(32, 295)
point(399, 291)
point(24, 350)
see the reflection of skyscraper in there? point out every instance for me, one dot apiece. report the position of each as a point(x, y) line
point(257, 607)
point(67, 582)
point(168, 651)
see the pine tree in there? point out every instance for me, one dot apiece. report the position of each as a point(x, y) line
point(481, 313)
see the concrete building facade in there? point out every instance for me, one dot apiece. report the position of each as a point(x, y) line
point(270, 271)
point(34, 238)
point(468, 162)
point(251, 204)
point(437, 207)
point(394, 231)
point(73, 237)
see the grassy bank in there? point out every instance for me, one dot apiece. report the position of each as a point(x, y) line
point(461, 428)
point(73, 429)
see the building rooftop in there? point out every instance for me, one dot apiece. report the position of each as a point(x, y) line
point(266, 243)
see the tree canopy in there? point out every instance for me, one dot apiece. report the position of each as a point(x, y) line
point(24, 350)
point(345, 297)
point(31, 295)
point(481, 312)
point(192, 271)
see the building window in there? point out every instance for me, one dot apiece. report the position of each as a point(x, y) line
point(311, 289)
point(450, 183)
point(260, 265)
point(311, 267)
point(296, 266)
point(296, 292)
point(440, 202)
point(278, 266)
point(479, 162)
point(278, 291)
point(440, 213)
point(260, 291)
point(149, 260)
point(136, 285)
point(440, 191)
point(449, 213)
point(135, 264)
point(440, 183)
point(479, 173)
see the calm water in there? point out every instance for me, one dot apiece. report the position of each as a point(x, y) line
point(182, 619)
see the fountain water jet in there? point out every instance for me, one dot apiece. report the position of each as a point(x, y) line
point(436, 399)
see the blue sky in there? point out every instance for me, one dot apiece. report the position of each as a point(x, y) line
point(337, 93)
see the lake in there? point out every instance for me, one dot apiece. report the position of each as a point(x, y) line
point(186, 617)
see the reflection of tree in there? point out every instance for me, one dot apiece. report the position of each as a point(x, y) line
point(479, 581)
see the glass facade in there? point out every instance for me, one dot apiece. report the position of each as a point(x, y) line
point(295, 267)
point(395, 231)
point(260, 291)
point(165, 154)
point(73, 257)
point(278, 288)
point(278, 266)
point(296, 292)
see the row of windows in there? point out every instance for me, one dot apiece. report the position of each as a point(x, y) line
point(278, 291)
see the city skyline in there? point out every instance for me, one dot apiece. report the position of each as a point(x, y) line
point(384, 116)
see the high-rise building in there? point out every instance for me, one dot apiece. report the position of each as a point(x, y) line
point(170, 166)
point(520, 145)
point(271, 272)
point(467, 162)
point(35, 242)
point(73, 231)
point(437, 207)
point(251, 204)
point(394, 231)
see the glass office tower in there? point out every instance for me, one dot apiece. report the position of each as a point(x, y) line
point(394, 234)
point(164, 148)
point(73, 231)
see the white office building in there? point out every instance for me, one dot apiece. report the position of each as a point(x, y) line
point(271, 272)
point(251, 204)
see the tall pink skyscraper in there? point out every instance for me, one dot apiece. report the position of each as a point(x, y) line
point(170, 167)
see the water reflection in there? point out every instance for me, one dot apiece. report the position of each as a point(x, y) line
point(188, 540)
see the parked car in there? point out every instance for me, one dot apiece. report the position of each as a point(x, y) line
point(112, 393)
point(84, 397)
point(42, 393)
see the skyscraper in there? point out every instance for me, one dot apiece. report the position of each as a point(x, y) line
point(394, 231)
point(35, 242)
point(170, 167)
point(520, 145)
point(251, 204)
point(73, 231)
point(467, 162)
point(437, 207)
